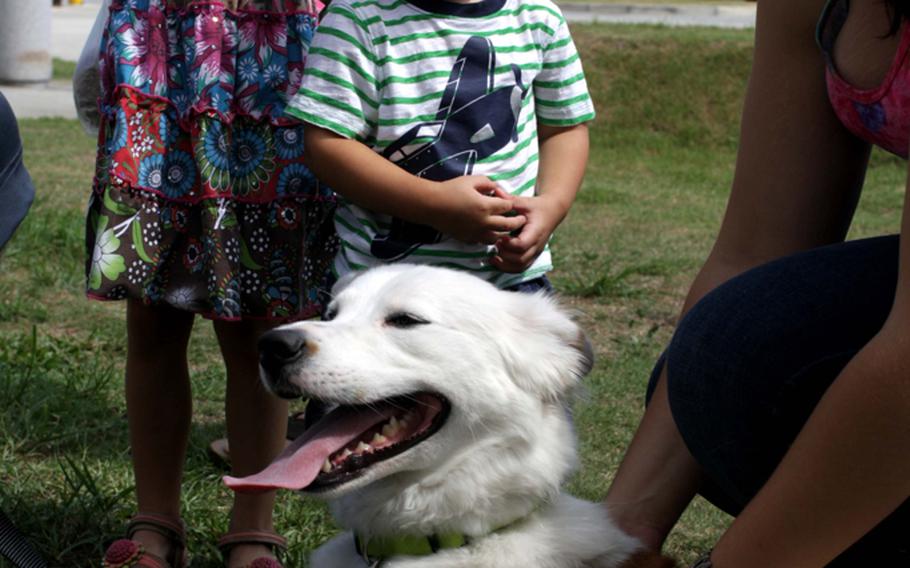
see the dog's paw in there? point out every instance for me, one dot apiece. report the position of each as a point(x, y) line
point(647, 559)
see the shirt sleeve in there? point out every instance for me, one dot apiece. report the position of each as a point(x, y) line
point(560, 92)
point(339, 88)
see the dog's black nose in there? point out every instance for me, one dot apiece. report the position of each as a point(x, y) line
point(280, 347)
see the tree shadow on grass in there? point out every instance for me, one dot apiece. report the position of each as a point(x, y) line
point(66, 478)
point(58, 396)
point(71, 505)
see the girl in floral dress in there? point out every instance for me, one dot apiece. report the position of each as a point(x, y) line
point(203, 203)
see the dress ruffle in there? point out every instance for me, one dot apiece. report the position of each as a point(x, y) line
point(144, 146)
point(202, 197)
point(205, 59)
point(221, 258)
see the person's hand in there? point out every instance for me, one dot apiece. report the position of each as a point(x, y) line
point(517, 253)
point(473, 209)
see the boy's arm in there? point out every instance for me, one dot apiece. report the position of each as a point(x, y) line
point(563, 157)
point(468, 208)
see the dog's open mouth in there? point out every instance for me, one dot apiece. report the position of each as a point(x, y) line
point(347, 441)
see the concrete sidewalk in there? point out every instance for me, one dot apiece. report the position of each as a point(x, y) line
point(54, 99)
point(71, 26)
point(738, 16)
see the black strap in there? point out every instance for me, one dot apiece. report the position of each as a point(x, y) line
point(14, 546)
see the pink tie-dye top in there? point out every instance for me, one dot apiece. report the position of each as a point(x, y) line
point(880, 115)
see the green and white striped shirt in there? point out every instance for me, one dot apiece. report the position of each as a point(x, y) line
point(442, 89)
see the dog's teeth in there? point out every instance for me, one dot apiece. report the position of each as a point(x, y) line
point(346, 453)
point(326, 466)
point(378, 439)
point(362, 448)
point(392, 427)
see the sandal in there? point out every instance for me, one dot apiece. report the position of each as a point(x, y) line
point(298, 422)
point(276, 542)
point(126, 553)
point(219, 451)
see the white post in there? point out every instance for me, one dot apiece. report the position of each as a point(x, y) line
point(25, 41)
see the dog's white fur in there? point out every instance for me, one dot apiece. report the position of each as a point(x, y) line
point(506, 362)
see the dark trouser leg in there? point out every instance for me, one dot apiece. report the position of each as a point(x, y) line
point(749, 363)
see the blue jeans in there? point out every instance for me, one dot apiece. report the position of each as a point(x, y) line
point(748, 364)
point(541, 283)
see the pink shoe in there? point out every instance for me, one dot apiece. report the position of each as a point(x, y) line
point(126, 553)
point(276, 542)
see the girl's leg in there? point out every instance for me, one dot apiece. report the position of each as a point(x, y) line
point(748, 364)
point(256, 424)
point(159, 409)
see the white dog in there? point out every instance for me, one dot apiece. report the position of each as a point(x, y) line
point(450, 436)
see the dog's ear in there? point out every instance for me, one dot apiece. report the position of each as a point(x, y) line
point(587, 352)
point(547, 351)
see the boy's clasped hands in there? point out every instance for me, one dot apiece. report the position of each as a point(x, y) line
point(474, 209)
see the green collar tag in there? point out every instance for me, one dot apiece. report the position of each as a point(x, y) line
point(377, 549)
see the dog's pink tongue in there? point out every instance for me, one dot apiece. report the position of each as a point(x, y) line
point(300, 463)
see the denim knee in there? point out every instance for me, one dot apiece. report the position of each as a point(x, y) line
point(719, 396)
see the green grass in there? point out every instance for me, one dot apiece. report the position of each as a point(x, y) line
point(662, 160)
point(63, 70)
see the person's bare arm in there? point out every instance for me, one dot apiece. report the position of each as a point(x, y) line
point(798, 175)
point(849, 467)
point(563, 157)
point(469, 208)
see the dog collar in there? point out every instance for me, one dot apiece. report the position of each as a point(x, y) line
point(379, 549)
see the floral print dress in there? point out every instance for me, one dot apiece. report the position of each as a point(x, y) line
point(202, 198)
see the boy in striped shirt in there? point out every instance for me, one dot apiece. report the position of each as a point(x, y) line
point(455, 132)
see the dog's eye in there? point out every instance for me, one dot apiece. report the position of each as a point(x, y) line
point(330, 313)
point(404, 320)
